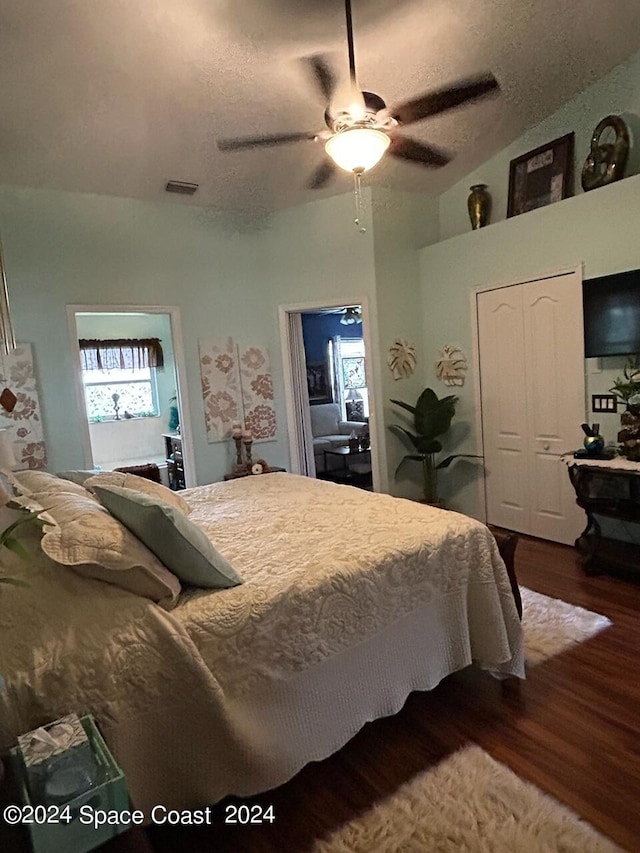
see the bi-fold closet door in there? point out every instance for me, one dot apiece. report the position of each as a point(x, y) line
point(531, 351)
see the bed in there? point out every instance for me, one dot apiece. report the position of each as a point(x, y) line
point(350, 601)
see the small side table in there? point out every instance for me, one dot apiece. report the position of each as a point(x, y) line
point(344, 474)
point(608, 488)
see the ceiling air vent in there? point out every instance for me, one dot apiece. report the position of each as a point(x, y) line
point(182, 187)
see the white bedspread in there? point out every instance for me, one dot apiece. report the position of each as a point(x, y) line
point(350, 601)
point(325, 568)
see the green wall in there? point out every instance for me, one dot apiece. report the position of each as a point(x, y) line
point(598, 228)
point(617, 93)
point(402, 222)
point(64, 248)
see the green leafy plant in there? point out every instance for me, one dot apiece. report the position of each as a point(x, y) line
point(431, 419)
point(628, 385)
point(9, 540)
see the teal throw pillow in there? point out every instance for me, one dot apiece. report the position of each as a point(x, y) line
point(166, 531)
point(77, 477)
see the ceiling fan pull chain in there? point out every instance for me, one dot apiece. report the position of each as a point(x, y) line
point(357, 180)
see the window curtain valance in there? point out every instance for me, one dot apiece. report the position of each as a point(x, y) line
point(121, 353)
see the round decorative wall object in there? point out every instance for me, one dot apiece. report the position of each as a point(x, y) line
point(451, 366)
point(402, 358)
point(606, 160)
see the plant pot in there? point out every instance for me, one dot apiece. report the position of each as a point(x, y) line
point(430, 483)
point(438, 503)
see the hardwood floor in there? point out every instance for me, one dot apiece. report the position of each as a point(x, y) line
point(573, 729)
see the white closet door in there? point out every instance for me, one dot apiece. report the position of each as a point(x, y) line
point(554, 351)
point(504, 402)
point(532, 386)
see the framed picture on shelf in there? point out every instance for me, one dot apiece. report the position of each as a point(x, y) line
point(541, 176)
point(353, 375)
point(318, 383)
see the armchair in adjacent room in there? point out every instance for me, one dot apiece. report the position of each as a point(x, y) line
point(329, 430)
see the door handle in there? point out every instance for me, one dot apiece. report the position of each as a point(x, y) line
point(546, 445)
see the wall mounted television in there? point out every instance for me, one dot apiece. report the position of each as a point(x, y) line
point(611, 306)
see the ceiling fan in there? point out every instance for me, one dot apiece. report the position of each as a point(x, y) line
point(351, 316)
point(358, 136)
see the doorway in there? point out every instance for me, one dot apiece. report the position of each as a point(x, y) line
point(532, 401)
point(131, 391)
point(329, 394)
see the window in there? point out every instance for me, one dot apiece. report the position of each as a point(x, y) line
point(351, 377)
point(115, 394)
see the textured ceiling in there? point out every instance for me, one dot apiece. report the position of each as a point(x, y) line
point(118, 97)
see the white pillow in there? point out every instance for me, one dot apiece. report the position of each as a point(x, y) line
point(139, 484)
point(89, 540)
point(38, 483)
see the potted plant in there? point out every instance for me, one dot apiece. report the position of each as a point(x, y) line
point(431, 419)
point(8, 540)
point(28, 514)
point(627, 388)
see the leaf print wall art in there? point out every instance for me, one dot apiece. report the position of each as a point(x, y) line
point(20, 408)
point(237, 387)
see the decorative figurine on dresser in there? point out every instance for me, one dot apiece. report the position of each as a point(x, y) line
point(246, 465)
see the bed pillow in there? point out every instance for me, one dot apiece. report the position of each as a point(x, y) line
point(140, 484)
point(179, 543)
point(89, 540)
point(39, 483)
point(78, 477)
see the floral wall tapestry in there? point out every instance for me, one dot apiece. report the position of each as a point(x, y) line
point(237, 388)
point(20, 408)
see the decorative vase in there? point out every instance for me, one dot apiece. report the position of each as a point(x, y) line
point(479, 206)
point(594, 444)
point(174, 418)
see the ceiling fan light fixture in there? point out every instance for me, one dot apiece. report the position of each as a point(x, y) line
point(351, 316)
point(357, 149)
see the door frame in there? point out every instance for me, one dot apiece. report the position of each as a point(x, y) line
point(287, 375)
point(181, 374)
point(475, 356)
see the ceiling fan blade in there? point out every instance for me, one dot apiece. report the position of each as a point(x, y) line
point(350, 47)
point(408, 149)
point(264, 141)
point(445, 99)
point(323, 75)
point(323, 174)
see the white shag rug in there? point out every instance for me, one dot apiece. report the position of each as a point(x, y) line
point(467, 804)
point(551, 626)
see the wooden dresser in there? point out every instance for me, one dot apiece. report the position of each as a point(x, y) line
point(175, 461)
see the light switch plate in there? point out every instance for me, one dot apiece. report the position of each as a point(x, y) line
point(604, 403)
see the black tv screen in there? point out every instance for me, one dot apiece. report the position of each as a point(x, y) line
point(612, 314)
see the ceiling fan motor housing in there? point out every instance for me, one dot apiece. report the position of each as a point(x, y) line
point(375, 116)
